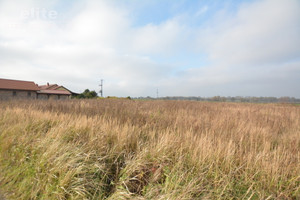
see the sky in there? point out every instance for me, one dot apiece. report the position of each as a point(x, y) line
point(176, 47)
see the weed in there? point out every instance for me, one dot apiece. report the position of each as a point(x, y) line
point(117, 149)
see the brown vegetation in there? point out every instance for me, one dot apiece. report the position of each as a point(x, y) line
point(125, 149)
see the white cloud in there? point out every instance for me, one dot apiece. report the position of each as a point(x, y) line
point(166, 38)
point(254, 46)
point(264, 31)
point(99, 24)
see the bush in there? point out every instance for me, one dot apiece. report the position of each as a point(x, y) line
point(87, 94)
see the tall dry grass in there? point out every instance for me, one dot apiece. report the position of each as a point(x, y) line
point(125, 149)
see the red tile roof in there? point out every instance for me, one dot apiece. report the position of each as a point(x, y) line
point(54, 87)
point(18, 85)
point(64, 92)
point(48, 86)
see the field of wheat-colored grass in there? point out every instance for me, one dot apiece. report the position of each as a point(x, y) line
point(128, 149)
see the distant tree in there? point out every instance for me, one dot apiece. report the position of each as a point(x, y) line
point(284, 99)
point(216, 98)
point(93, 94)
point(87, 94)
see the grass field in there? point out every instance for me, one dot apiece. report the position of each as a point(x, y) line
point(126, 149)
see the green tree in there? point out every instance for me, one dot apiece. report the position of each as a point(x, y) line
point(87, 94)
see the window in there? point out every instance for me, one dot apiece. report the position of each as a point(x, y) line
point(28, 94)
point(58, 96)
point(14, 93)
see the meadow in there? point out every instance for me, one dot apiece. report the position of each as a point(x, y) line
point(131, 149)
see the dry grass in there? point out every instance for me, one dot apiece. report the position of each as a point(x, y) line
point(125, 149)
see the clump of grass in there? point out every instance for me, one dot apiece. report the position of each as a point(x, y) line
point(116, 149)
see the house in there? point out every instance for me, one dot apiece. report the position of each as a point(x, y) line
point(16, 89)
point(53, 91)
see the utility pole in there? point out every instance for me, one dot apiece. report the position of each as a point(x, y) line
point(101, 86)
point(157, 93)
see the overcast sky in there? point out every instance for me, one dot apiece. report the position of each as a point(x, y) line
point(180, 47)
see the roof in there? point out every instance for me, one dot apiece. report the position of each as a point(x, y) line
point(49, 87)
point(63, 92)
point(18, 85)
point(55, 87)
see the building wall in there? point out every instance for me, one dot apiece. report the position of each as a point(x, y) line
point(9, 94)
point(61, 88)
point(64, 97)
point(53, 96)
point(5, 94)
point(42, 96)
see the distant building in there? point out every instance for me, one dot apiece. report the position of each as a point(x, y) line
point(53, 91)
point(15, 89)
point(18, 89)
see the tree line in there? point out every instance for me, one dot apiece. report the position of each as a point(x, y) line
point(249, 99)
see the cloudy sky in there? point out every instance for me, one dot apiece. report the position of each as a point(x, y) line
point(180, 47)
